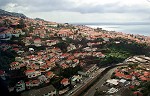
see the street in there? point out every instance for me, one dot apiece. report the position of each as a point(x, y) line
point(91, 91)
point(84, 83)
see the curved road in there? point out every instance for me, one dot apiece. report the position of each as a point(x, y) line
point(92, 90)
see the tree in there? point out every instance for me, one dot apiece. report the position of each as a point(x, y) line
point(99, 93)
point(146, 87)
point(21, 23)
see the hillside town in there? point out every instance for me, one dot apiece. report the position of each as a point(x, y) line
point(50, 59)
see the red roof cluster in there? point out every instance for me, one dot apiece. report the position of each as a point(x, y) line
point(122, 75)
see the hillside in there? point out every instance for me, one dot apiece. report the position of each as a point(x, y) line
point(49, 52)
point(6, 13)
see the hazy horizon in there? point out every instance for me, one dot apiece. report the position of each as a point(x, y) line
point(81, 11)
point(106, 12)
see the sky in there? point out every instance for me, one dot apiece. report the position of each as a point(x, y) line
point(76, 11)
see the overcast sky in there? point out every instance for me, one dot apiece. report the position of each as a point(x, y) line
point(82, 10)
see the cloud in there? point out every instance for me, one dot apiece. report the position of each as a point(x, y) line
point(4, 2)
point(81, 10)
point(85, 6)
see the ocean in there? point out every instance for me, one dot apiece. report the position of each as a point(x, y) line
point(131, 29)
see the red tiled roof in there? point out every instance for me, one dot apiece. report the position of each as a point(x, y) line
point(30, 71)
point(44, 66)
point(71, 58)
point(13, 63)
point(75, 60)
point(121, 75)
point(146, 73)
point(135, 74)
point(35, 81)
point(64, 65)
point(27, 82)
point(118, 74)
point(144, 78)
point(49, 73)
point(128, 76)
point(132, 86)
point(37, 39)
point(64, 80)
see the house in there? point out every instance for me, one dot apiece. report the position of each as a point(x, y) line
point(112, 90)
point(51, 42)
point(53, 25)
point(20, 86)
point(75, 79)
point(37, 42)
point(56, 50)
point(64, 66)
point(45, 67)
point(42, 78)
point(5, 36)
point(45, 91)
point(31, 49)
point(18, 59)
point(51, 62)
point(64, 33)
point(122, 75)
point(16, 65)
point(143, 78)
point(75, 63)
point(65, 82)
point(77, 54)
point(113, 81)
point(32, 83)
point(49, 75)
point(64, 55)
point(88, 69)
point(71, 47)
point(32, 73)
point(33, 66)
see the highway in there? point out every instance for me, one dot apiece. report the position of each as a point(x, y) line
point(92, 90)
point(84, 83)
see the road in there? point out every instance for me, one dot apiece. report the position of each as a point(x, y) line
point(92, 90)
point(79, 87)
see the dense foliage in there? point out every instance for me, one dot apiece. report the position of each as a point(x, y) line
point(118, 52)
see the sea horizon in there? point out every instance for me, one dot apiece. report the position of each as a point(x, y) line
point(136, 28)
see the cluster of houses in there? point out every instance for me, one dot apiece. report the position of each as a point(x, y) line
point(44, 29)
point(129, 76)
point(39, 64)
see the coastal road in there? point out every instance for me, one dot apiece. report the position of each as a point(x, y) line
point(92, 90)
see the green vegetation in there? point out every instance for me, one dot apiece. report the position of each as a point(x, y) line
point(6, 57)
point(62, 46)
point(129, 46)
point(99, 93)
point(116, 53)
point(68, 72)
point(146, 89)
